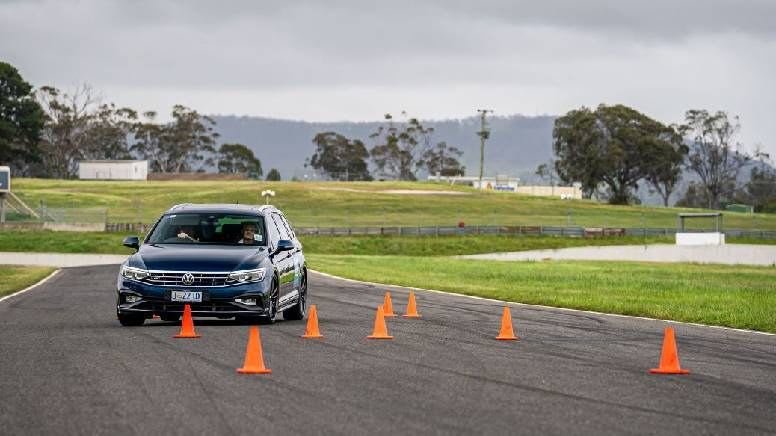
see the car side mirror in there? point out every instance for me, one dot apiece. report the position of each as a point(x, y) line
point(285, 245)
point(132, 242)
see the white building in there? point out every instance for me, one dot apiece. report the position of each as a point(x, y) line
point(512, 184)
point(498, 183)
point(113, 170)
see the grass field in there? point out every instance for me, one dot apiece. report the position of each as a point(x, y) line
point(14, 278)
point(110, 243)
point(358, 204)
point(733, 296)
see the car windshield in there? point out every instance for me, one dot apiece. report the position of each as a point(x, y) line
point(208, 229)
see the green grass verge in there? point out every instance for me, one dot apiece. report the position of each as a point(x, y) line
point(15, 278)
point(344, 204)
point(732, 296)
point(454, 245)
point(47, 241)
point(110, 243)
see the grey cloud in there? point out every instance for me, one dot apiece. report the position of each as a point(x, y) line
point(664, 55)
point(654, 18)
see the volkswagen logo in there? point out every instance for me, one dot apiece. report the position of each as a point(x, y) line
point(187, 279)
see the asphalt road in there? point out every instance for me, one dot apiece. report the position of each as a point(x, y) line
point(68, 367)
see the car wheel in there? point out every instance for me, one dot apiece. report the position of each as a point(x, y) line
point(273, 305)
point(298, 310)
point(131, 320)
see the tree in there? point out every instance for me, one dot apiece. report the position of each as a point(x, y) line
point(185, 144)
point(108, 133)
point(273, 175)
point(150, 142)
point(238, 159)
point(443, 160)
point(547, 173)
point(761, 189)
point(695, 196)
point(713, 154)
point(68, 117)
point(21, 121)
point(578, 148)
point(398, 150)
point(609, 146)
point(339, 157)
point(663, 163)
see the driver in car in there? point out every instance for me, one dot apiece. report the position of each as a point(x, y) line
point(249, 234)
point(187, 232)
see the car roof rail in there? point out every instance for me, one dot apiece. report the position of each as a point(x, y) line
point(179, 206)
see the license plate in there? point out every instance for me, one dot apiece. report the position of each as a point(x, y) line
point(186, 296)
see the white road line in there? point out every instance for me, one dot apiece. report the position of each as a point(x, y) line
point(42, 281)
point(552, 308)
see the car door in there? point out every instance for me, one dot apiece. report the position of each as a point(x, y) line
point(298, 257)
point(284, 262)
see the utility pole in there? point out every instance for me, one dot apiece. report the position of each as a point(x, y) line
point(484, 134)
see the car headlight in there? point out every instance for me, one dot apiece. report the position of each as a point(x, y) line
point(134, 273)
point(250, 275)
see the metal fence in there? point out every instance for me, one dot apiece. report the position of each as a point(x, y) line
point(588, 232)
point(73, 215)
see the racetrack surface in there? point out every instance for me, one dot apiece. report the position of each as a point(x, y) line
point(68, 367)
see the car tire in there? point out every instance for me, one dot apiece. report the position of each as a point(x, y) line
point(298, 310)
point(273, 304)
point(131, 320)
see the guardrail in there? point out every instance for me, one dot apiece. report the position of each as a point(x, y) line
point(588, 232)
point(570, 231)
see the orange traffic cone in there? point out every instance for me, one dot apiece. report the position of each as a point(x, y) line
point(381, 330)
point(387, 306)
point(187, 326)
point(506, 333)
point(412, 311)
point(312, 332)
point(254, 358)
point(669, 359)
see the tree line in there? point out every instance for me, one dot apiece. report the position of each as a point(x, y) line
point(611, 151)
point(399, 152)
point(46, 132)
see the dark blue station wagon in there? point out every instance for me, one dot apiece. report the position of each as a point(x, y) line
point(225, 261)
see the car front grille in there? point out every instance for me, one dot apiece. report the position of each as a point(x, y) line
point(167, 278)
point(211, 306)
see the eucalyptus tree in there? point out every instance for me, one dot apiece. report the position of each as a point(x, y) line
point(714, 154)
point(21, 121)
point(614, 147)
point(398, 149)
point(339, 157)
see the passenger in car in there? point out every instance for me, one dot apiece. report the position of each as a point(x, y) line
point(249, 234)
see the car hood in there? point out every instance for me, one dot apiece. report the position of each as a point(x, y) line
point(205, 258)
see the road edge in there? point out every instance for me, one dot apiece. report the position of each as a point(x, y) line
point(552, 308)
point(32, 286)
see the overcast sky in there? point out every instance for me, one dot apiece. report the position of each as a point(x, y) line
point(355, 60)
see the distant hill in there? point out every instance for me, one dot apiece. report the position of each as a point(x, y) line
point(518, 144)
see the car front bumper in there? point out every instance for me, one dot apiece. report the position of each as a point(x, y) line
point(216, 301)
